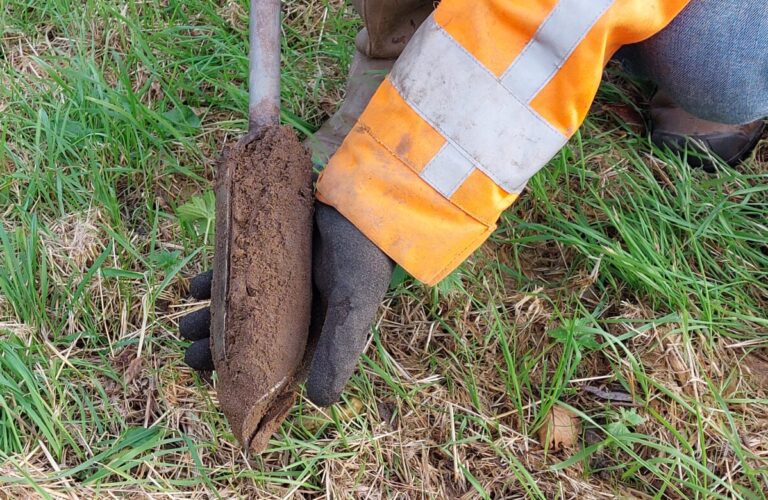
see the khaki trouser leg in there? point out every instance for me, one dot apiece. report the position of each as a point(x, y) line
point(389, 26)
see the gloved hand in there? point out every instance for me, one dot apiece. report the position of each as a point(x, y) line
point(351, 276)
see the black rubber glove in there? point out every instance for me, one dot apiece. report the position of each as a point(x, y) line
point(351, 276)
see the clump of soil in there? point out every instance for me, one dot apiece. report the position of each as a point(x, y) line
point(261, 318)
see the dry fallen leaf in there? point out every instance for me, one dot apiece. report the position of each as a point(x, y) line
point(351, 410)
point(561, 429)
point(757, 367)
point(134, 368)
point(675, 357)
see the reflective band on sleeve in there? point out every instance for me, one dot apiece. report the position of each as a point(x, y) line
point(485, 119)
point(553, 43)
point(447, 170)
point(468, 105)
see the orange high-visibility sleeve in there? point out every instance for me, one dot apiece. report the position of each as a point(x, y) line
point(484, 95)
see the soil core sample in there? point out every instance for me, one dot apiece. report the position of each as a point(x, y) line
point(260, 317)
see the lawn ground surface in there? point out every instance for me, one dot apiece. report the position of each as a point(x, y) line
point(623, 297)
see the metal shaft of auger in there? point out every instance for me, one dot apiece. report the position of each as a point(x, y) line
point(264, 65)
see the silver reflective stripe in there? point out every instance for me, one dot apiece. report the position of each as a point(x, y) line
point(487, 120)
point(447, 170)
point(551, 46)
point(468, 105)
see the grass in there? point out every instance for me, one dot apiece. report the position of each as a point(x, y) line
point(623, 287)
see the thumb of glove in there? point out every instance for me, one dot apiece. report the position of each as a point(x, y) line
point(351, 277)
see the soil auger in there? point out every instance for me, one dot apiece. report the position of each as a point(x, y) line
point(262, 284)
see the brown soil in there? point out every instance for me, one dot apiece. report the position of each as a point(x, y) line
point(259, 335)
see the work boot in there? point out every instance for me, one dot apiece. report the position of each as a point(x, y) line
point(389, 26)
point(676, 130)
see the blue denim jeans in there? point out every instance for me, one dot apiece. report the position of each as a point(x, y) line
point(712, 59)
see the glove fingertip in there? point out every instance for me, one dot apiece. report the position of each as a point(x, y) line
point(200, 286)
point(321, 394)
point(196, 325)
point(198, 356)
